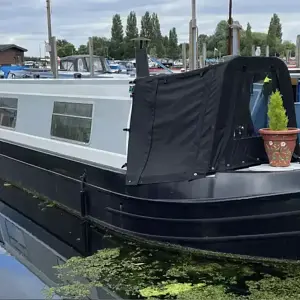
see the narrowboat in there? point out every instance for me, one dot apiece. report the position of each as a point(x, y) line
point(172, 158)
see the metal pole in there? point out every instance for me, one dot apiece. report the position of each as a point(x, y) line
point(229, 50)
point(236, 27)
point(197, 50)
point(190, 46)
point(184, 55)
point(193, 62)
point(54, 57)
point(91, 53)
point(267, 51)
point(298, 51)
point(50, 35)
point(204, 54)
point(253, 50)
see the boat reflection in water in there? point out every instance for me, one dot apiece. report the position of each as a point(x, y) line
point(23, 241)
point(14, 274)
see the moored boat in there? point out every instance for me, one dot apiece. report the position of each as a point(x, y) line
point(178, 161)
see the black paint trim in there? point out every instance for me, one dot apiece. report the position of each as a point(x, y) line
point(208, 220)
point(226, 225)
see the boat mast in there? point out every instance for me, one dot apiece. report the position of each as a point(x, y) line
point(193, 39)
point(50, 38)
point(229, 45)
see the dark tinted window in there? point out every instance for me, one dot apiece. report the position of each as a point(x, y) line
point(72, 121)
point(8, 111)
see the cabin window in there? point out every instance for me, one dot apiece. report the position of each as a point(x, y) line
point(8, 112)
point(72, 121)
point(97, 64)
point(67, 65)
point(81, 67)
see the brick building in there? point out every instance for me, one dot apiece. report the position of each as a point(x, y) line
point(11, 54)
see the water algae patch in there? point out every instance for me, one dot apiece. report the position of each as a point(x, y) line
point(134, 272)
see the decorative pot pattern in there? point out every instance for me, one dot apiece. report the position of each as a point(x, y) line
point(279, 145)
point(279, 153)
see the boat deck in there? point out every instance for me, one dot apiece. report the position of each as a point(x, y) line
point(268, 168)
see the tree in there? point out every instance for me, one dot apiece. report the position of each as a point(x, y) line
point(131, 33)
point(288, 45)
point(276, 22)
point(65, 48)
point(165, 41)
point(163, 46)
point(156, 39)
point(274, 34)
point(83, 49)
point(173, 50)
point(117, 38)
point(146, 26)
point(101, 46)
point(247, 47)
point(219, 39)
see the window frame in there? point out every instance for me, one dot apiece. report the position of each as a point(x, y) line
point(10, 108)
point(74, 116)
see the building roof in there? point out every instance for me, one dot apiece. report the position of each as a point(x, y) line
point(4, 47)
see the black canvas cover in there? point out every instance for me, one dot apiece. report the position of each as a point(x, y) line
point(185, 126)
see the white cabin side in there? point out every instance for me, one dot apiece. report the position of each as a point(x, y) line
point(82, 119)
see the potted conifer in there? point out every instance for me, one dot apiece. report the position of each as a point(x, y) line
point(279, 140)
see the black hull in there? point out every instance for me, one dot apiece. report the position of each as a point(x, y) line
point(179, 213)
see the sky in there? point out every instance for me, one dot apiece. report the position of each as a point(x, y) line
point(24, 22)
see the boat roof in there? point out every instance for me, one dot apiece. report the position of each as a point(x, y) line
point(74, 57)
point(189, 125)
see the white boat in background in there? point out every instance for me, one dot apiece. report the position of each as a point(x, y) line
point(74, 66)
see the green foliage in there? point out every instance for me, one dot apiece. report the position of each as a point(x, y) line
point(288, 45)
point(146, 26)
point(83, 49)
point(248, 42)
point(273, 288)
point(135, 272)
point(278, 119)
point(156, 39)
point(213, 292)
point(101, 46)
point(274, 34)
point(173, 50)
point(172, 289)
point(114, 268)
point(64, 48)
point(131, 33)
point(120, 47)
point(75, 290)
point(116, 49)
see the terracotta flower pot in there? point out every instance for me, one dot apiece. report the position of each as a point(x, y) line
point(279, 145)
